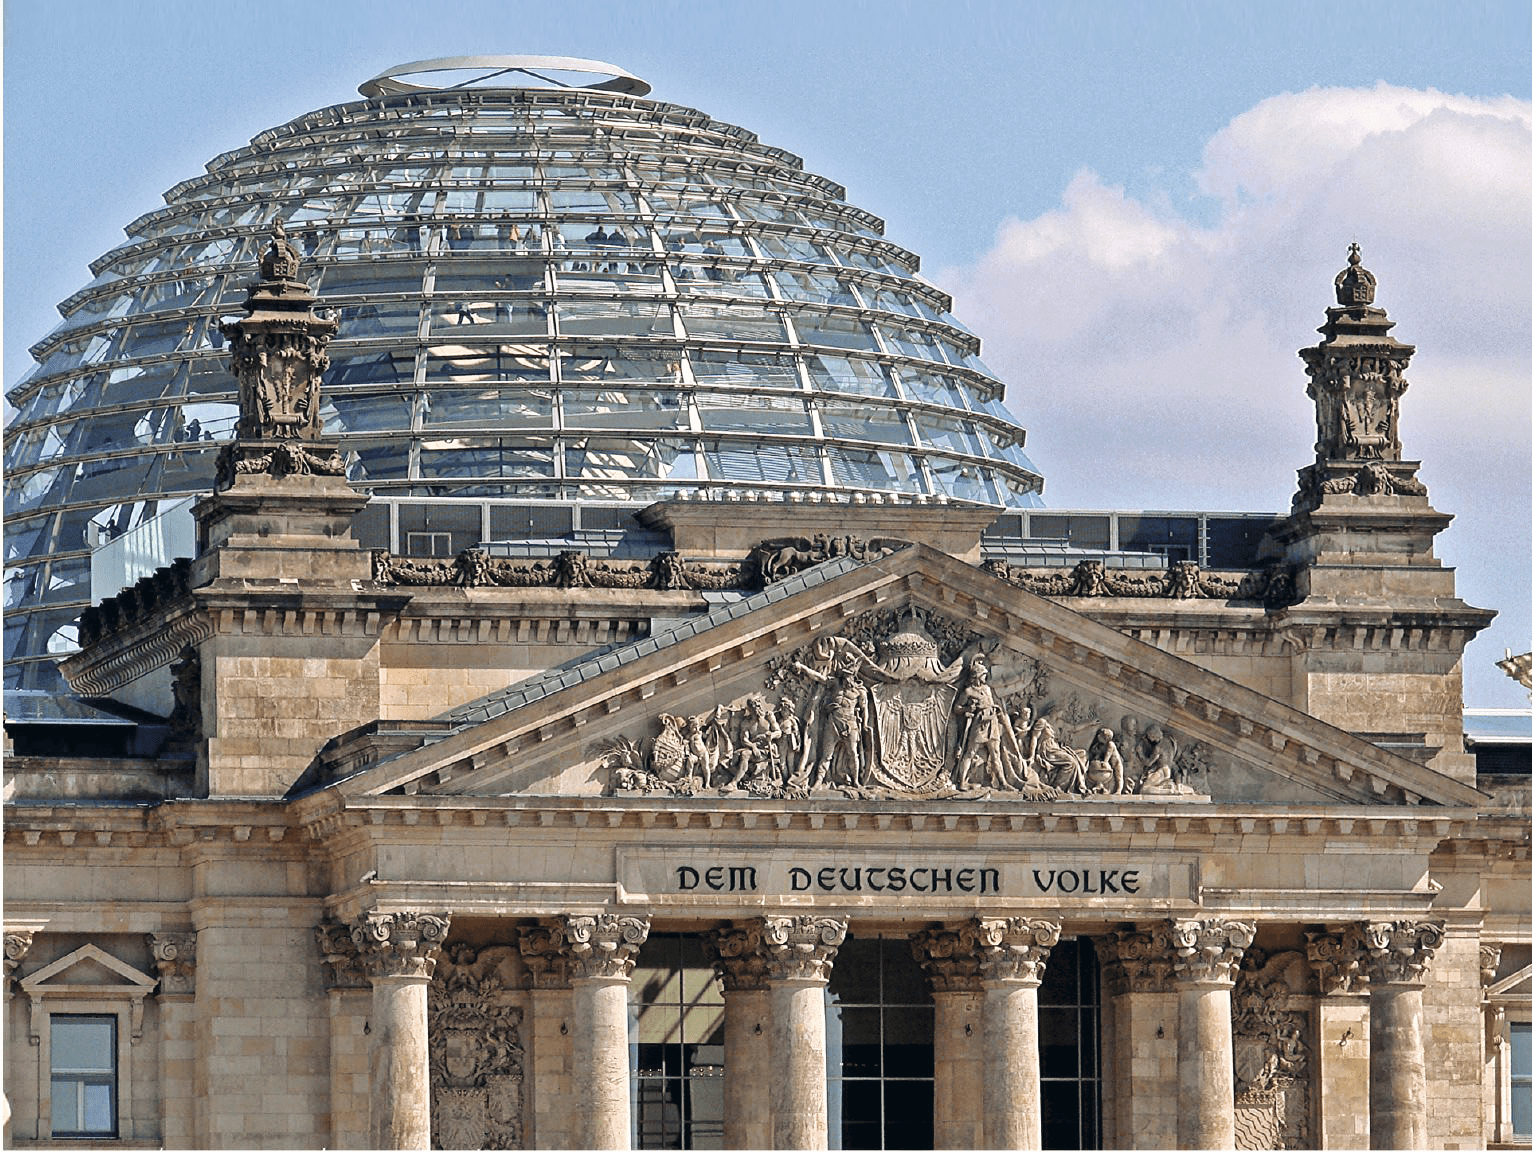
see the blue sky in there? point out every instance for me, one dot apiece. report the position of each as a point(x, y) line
point(1127, 214)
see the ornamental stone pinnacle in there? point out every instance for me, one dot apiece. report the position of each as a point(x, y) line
point(1400, 951)
point(1356, 377)
point(1339, 960)
point(1014, 949)
point(1209, 951)
point(400, 943)
point(801, 947)
point(950, 958)
point(604, 947)
point(737, 957)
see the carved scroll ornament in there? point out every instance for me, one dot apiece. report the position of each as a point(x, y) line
point(604, 947)
point(1400, 951)
point(801, 947)
point(1209, 951)
point(399, 943)
point(1014, 949)
point(175, 954)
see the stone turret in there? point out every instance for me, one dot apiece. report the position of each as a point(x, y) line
point(1377, 630)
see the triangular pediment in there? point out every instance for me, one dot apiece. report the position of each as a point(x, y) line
point(913, 676)
point(88, 967)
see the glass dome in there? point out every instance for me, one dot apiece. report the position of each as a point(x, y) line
point(553, 293)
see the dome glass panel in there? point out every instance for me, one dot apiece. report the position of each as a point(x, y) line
point(556, 294)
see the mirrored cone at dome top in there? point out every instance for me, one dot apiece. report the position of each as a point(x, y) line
point(564, 295)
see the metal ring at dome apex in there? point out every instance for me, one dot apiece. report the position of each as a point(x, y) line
point(387, 82)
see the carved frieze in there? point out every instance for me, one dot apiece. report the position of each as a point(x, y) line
point(343, 963)
point(801, 947)
point(1209, 951)
point(1183, 580)
point(604, 947)
point(909, 706)
point(950, 958)
point(285, 459)
point(1014, 948)
point(175, 954)
point(571, 568)
point(1272, 1046)
point(1339, 960)
point(399, 943)
point(1138, 961)
point(1400, 951)
point(477, 1062)
point(773, 560)
point(736, 955)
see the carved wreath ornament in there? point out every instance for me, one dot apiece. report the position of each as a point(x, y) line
point(910, 706)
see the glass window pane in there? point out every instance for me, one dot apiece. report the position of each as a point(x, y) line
point(83, 1043)
point(780, 415)
point(863, 422)
point(838, 331)
point(624, 408)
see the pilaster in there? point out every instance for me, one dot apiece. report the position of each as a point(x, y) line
point(951, 960)
point(175, 957)
point(1138, 977)
point(552, 1106)
point(349, 1000)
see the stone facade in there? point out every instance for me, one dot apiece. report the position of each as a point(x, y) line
point(425, 828)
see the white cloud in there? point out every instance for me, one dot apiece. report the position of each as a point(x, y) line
point(1152, 355)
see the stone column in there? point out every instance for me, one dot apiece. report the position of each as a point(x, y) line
point(552, 1106)
point(1338, 957)
point(1013, 952)
point(1138, 975)
point(952, 962)
point(399, 952)
point(800, 951)
point(736, 955)
point(349, 997)
point(175, 954)
point(602, 950)
point(1399, 955)
point(1208, 953)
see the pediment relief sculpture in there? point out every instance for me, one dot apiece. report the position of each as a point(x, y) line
point(912, 706)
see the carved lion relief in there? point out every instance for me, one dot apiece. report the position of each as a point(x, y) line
point(912, 705)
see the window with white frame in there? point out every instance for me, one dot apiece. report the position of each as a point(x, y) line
point(83, 1055)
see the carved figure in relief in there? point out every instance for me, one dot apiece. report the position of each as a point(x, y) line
point(1158, 752)
point(988, 738)
point(1063, 768)
point(1132, 760)
point(1103, 765)
point(843, 727)
point(757, 756)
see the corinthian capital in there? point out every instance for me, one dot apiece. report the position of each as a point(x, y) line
point(950, 958)
point(546, 955)
point(737, 957)
point(604, 946)
point(1138, 961)
point(175, 953)
point(801, 947)
point(1400, 951)
point(1209, 951)
point(1014, 948)
point(400, 943)
point(342, 961)
point(1339, 960)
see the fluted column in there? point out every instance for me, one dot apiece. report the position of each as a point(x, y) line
point(1138, 974)
point(1399, 956)
point(1338, 959)
point(1013, 951)
point(398, 950)
point(800, 951)
point(736, 954)
point(602, 951)
point(951, 960)
point(1208, 953)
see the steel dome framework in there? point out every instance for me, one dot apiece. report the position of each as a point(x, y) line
point(547, 294)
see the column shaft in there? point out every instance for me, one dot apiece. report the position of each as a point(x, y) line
point(1397, 1075)
point(601, 1061)
point(746, 1050)
point(399, 1063)
point(798, 1102)
point(1205, 1064)
point(959, 1053)
point(1013, 1115)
